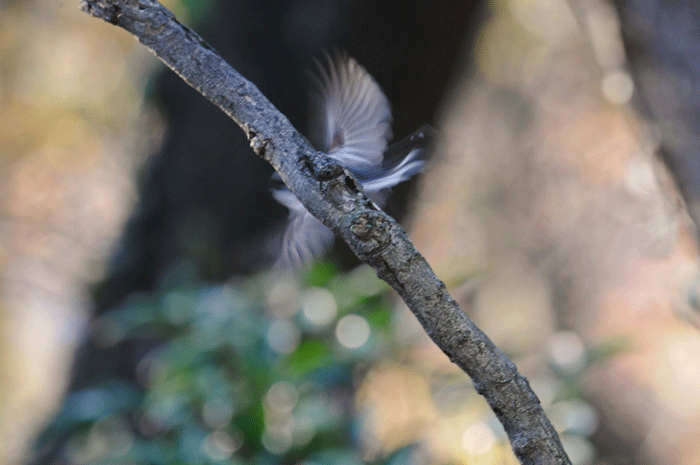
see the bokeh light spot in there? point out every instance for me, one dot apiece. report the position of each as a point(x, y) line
point(217, 412)
point(318, 306)
point(478, 439)
point(277, 440)
point(283, 336)
point(352, 331)
point(618, 87)
point(220, 445)
point(282, 397)
point(567, 351)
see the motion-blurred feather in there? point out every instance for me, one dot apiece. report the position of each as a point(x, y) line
point(351, 123)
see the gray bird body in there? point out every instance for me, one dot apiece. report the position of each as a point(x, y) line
point(352, 123)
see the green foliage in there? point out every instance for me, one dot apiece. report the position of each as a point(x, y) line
point(256, 372)
point(264, 372)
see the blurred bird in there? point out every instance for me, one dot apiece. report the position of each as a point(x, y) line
point(351, 122)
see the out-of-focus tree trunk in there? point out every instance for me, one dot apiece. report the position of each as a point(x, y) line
point(67, 184)
point(663, 46)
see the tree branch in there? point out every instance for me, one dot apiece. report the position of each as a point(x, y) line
point(330, 192)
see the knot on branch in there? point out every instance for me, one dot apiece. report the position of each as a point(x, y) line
point(336, 180)
point(326, 169)
point(262, 147)
point(372, 230)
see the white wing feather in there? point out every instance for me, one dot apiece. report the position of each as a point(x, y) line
point(355, 114)
point(304, 238)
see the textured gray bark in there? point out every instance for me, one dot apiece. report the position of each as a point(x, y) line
point(331, 193)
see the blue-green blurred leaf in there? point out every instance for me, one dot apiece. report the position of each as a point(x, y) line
point(310, 355)
point(319, 275)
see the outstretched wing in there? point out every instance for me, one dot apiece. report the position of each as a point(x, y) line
point(353, 119)
point(402, 160)
point(352, 116)
point(304, 238)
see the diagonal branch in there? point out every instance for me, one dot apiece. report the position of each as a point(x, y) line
point(331, 193)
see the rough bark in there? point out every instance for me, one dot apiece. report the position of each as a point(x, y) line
point(332, 194)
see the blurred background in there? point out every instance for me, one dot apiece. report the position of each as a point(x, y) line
point(139, 322)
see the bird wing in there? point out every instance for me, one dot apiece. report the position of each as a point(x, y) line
point(353, 118)
point(352, 115)
point(304, 237)
point(402, 160)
